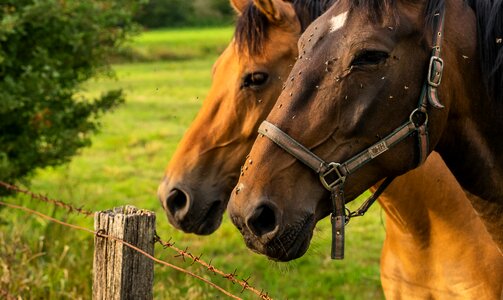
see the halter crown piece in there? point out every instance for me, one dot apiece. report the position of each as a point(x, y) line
point(333, 174)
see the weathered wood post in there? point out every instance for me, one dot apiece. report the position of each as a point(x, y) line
point(120, 272)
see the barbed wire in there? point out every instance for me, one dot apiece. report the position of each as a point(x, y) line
point(70, 208)
point(104, 235)
point(233, 277)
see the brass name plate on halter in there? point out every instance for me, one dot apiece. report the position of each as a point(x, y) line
point(378, 149)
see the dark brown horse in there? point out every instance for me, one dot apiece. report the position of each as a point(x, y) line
point(414, 234)
point(359, 76)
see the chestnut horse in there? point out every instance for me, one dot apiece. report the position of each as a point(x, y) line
point(260, 57)
point(352, 100)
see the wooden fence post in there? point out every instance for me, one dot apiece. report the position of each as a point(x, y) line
point(120, 272)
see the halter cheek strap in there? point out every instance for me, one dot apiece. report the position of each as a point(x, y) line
point(333, 174)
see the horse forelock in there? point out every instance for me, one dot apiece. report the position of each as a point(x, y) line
point(252, 25)
point(376, 9)
point(251, 30)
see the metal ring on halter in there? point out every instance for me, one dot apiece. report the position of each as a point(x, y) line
point(348, 214)
point(415, 111)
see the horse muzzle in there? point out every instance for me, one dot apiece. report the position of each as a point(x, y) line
point(189, 211)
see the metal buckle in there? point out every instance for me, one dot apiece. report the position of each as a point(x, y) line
point(332, 167)
point(431, 81)
point(415, 111)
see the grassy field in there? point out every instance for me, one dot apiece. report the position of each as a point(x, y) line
point(40, 260)
point(179, 44)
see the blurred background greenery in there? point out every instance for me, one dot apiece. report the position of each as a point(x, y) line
point(182, 13)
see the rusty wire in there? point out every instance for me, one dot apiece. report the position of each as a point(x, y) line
point(233, 277)
point(104, 235)
point(70, 208)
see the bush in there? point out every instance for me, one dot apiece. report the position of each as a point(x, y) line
point(47, 50)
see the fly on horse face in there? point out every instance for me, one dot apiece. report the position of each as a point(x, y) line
point(378, 85)
point(414, 234)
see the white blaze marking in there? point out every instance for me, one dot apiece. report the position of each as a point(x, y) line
point(338, 21)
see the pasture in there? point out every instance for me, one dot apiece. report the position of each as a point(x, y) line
point(40, 260)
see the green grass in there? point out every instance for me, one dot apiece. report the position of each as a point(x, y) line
point(177, 44)
point(40, 260)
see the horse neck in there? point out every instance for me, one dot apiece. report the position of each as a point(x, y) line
point(421, 220)
point(472, 149)
point(470, 143)
point(428, 207)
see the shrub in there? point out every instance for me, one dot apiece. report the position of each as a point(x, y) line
point(48, 48)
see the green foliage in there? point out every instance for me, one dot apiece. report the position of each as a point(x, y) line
point(47, 49)
point(180, 13)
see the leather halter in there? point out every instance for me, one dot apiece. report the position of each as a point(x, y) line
point(333, 174)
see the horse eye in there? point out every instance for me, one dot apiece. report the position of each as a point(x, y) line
point(369, 57)
point(254, 79)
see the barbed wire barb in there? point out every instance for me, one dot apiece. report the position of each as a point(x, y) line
point(58, 203)
point(215, 271)
point(165, 244)
point(100, 234)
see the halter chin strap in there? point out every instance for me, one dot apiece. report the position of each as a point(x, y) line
point(333, 174)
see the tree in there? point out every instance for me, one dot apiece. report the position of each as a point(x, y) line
point(47, 50)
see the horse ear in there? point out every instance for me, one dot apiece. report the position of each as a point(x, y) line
point(239, 5)
point(272, 9)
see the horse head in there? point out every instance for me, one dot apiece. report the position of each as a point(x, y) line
point(247, 79)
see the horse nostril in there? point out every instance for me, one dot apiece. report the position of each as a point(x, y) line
point(177, 203)
point(262, 221)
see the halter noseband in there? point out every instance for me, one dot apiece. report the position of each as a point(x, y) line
point(333, 174)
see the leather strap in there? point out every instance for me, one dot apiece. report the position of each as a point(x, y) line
point(320, 166)
point(370, 200)
point(293, 147)
point(422, 130)
point(338, 219)
point(436, 66)
point(357, 161)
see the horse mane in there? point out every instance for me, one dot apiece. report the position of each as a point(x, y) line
point(490, 34)
point(252, 25)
